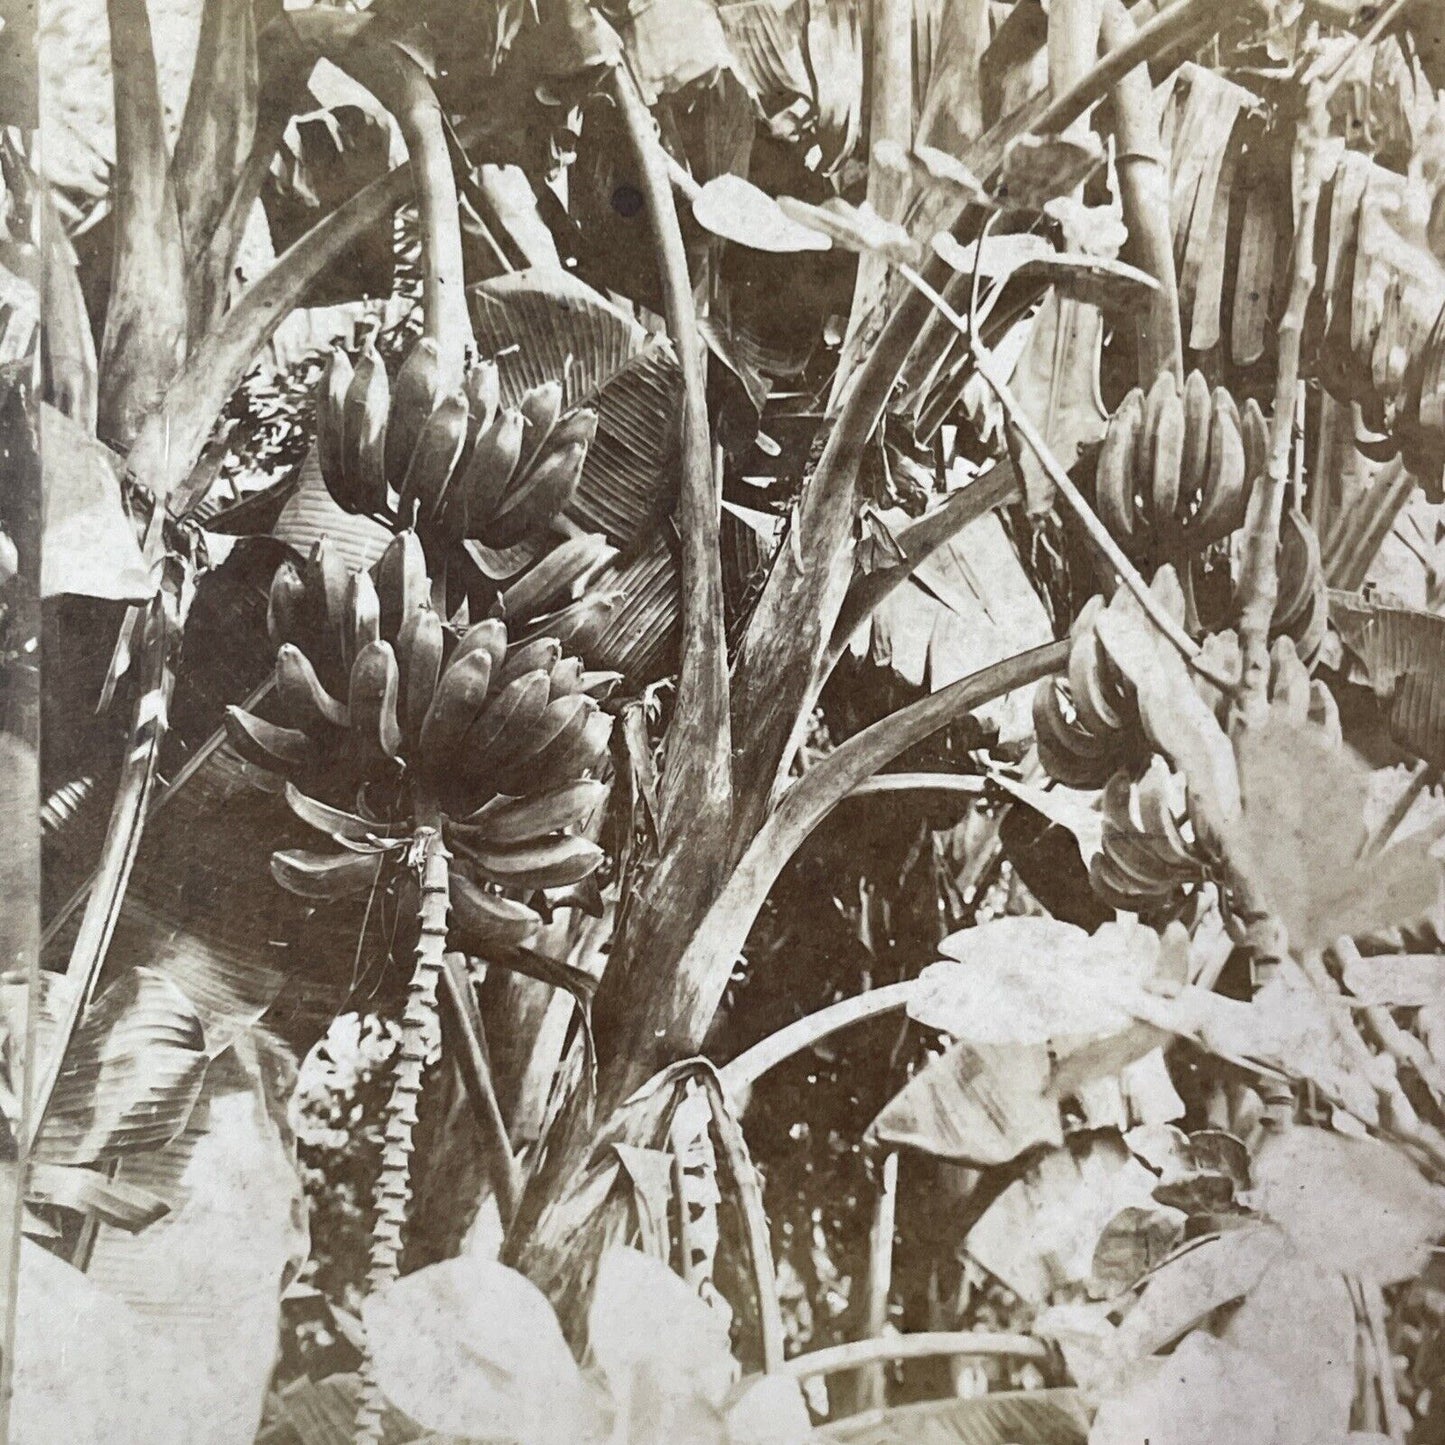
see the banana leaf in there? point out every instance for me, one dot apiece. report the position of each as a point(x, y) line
point(544, 326)
point(641, 640)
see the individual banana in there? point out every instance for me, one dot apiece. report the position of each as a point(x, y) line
point(489, 636)
point(483, 387)
point(371, 703)
point(1254, 431)
point(553, 862)
point(325, 877)
point(331, 421)
point(419, 647)
point(286, 619)
point(368, 401)
point(580, 625)
point(538, 652)
point(433, 460)
point(460, 696)
point(414, 398)
point(600, 685)
point(1164, 456)
point(505, 722)
point(346, 828)
point(480, 920)
point(362, 622)
point(1298, 570)
point(557, 575)
point(1093, 695)
point(1198, 406)
point(540, 407)
point(325, 579)
point(1224, 498)
point(1115, 486)
point(276, 749)
point(565, 678)
point(302, 697)
point(544, 759)
point(476, 494)
point(402, 583)
point(542, 493)
point(516, 820)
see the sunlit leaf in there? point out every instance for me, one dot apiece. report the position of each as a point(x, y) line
point(854, 228)
point(735, 209)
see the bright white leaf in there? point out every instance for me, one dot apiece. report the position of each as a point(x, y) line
point(470, 1347)
point(735, 209)
point(768, 1410)
point(1358, 1205)
point(644, 1318)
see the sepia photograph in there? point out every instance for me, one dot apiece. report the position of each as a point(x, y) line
point(722, 722)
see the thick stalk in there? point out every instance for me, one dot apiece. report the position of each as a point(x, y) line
point(695, 793)
point(672, 1015)
point(393, 1184)
point(1144, 194)
point(1259, 574)
point(960, 1344)
point(144, 339)
point(872, 1384)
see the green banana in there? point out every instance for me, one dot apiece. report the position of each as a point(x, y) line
point(414, 398)
point(325, 877)
point(334, 822)
point(1226, 487)
point(302, 697)
point(528, 766)
point(367, 403)
point(1087, 687)
point(542, 493)
point(540, 408)
point(1115, 486)
point(331, 422)
point(565, 677)
point(511, 713)
point(286, 606)
point(1254, 430)
point(419, 659)
point(557, 574)
point(402, 584)
point(363, 617)
point(515, 820)
point(483, 387)
point(582, 750)
point(276, 749)
point(489, 636)
point(538, 652)
point(600, 685)
point(460, 696)
point(1164, 431)
point(551, 862)
point(326, 580)
point(481, 920)
point(1197, 409)
point(580, 625)
point(433, 460)
point(375, 682)
point(484, 480)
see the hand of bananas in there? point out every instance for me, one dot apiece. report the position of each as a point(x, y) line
point(379, 701)
point(1176, 469)
point(453, 466)
point(1147, 857)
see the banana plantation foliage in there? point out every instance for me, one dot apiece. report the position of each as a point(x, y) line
point(722, 721)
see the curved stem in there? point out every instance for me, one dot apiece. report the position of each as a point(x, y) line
point(696, 786)
point(922, 1346)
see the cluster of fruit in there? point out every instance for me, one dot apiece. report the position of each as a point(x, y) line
point(1176, 469)
point(1147, 856)
point(453, 465)
point(382, 703)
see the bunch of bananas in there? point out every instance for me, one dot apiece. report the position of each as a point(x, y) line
point(1175, 470)
point(1147, 858)
point(1085, 722)
point(453, 465)
point(378, 699)
point(1302, 603)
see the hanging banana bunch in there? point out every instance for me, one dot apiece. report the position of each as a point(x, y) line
point(1176, 469)
point(386, 709)
point(455, 466)
point(1147, 860)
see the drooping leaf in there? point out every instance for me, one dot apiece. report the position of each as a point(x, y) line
point(1397, 980)
point(469, 1347)
point(88, 1191)
point(1303, 838)
point(1041, 1417)
point(132, 1074)
point(1041, 1233)
point(854, 228)
point(736, 210)
point(90, 546)
point(982, 1105)
point(767, 1410)
point(1135, 1240)
point(547, 326)
point(640, 639)
point(1030, 980)
point(1319, 1186)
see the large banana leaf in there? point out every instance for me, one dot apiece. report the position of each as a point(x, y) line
point(1040, 1417)
point(545, 325)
